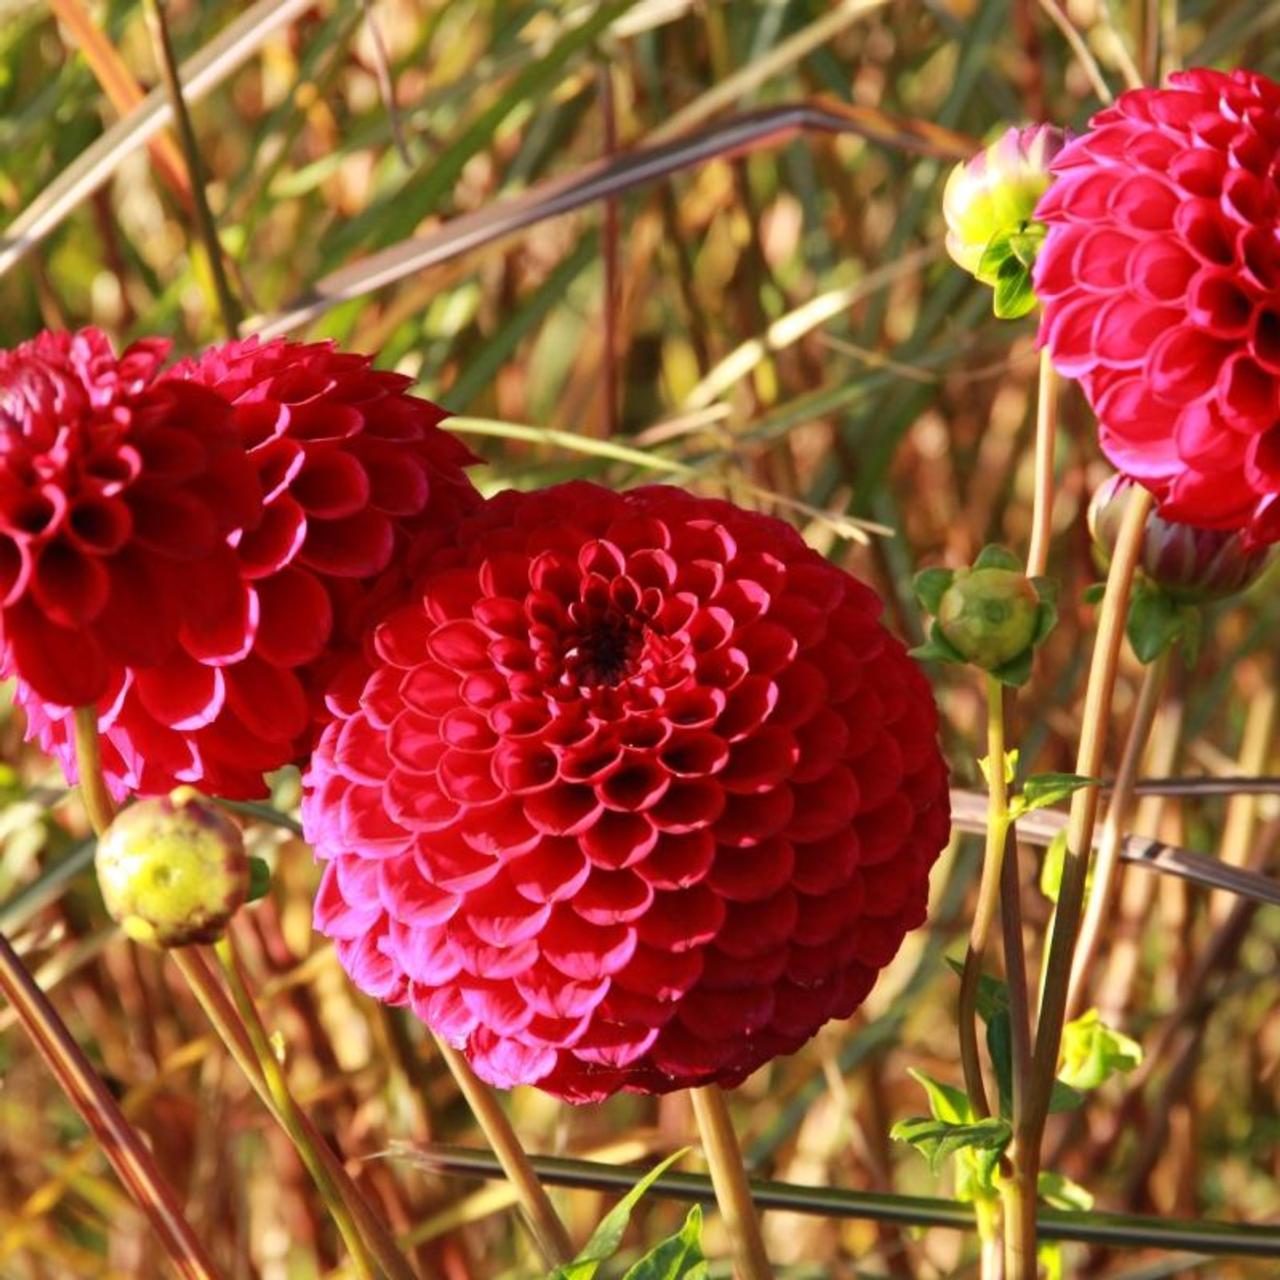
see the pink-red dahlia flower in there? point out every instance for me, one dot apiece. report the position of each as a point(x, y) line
point(118, 492)
point(354, 473)
point(1160, 278)
point(638, 794)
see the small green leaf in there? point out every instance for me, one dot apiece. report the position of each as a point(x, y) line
point(1064, 1098)
point(1044, 789)
point(1010, 766)
point(1155, 623)
point(1062, 1193)
point(1014, 296)
point(678, 1258)
point(1094, 594)
point(930, 585)
point(993, 995)
point(608, 1235)
point(259, 879)
point(1000, 1049)
point(1051, 868)
point(994, 556)
point(1092, 1052)
point(946, 1102)
point(937, 1139)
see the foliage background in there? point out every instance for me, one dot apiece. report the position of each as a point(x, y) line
point(780, 325)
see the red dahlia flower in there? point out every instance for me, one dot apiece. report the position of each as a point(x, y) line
point(1160, 278)
point(353, 472)
point(117, 495)
point(638, 794)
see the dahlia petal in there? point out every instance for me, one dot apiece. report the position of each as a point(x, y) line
point(61, 664)
point(505, 1063)
point(354, 546)
point(182, 693)
point(70, 586)
point(296, 618)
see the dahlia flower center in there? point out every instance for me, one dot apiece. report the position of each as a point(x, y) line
point(606, 651)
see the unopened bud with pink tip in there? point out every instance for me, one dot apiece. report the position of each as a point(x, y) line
point(1191, 565)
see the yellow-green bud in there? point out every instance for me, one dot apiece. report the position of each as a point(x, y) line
point(997, 191)
point(173, 870)
point(990, 616)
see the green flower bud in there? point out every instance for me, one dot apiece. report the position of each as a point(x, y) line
point(173, 870)
point(989, 615)
point(994, 195)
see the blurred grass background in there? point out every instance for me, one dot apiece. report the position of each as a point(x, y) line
point(778, 325)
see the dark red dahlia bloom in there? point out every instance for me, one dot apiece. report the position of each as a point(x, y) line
point(118, 492)
point(353, 474)
point(1160, 278)
point(638, 794)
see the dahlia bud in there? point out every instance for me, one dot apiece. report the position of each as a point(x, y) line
point(991, 615)
point(989, 203)
point(1192, 566)
point(173, 870)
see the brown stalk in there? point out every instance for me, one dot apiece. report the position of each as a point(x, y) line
point(123, 91)
point(651, 162)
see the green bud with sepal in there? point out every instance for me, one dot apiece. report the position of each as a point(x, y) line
point(173, 870)
point(991, 614)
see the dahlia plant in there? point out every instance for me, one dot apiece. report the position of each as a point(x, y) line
point(636, 791)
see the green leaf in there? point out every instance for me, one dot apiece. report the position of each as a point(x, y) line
point(678, 1258)
point(994, 556)
point(259, 879)
point(946, 1102)
point(930, 585)
point(1051, 868)
point(1000, 1049)
point(1014, 296)
point(1092, 1052)
point(1062, 1193)
point(1044, 789)
point(937, 1139)
point(1010, 766)
point(993, 995)
point(608, 1235)
point(1094, 594)
point(1064, 1098)
point(1155, 623)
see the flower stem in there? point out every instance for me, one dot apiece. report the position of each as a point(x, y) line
point(1114, 826)
point(544, 1223)
point(205, 225)
point(120, 1142)
point(288, 1111)
point(1046, 441)
point(1084, 812)
point(93, 786)
point(226, 1021)
point(729, 1178)
point(988, 897)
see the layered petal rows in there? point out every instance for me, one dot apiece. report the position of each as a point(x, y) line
point(638, 794)
point(349, 473)
point(118, 492)
point(1160, 278)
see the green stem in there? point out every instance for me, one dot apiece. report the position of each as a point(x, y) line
point(988, 897)
point(1084, 811)
point(288, 1111)
point(544, 1223)
point(94, 795)
point(729, 1178)
point(205, 225)
point(226, 1022)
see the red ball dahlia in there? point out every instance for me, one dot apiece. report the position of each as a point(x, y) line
point(638, 794)
point(1160, 278)
point(118, 491)
point(354, 473)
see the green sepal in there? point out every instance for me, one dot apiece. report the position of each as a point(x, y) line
point(259, 879)
point(937, 648)
point(1157, 621)
point(930, 585)
point(1017, 671)
point(994, 556)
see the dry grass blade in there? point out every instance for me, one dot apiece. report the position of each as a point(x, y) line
point(751, 131)
point(968, 813)
point(122, 90)
point(96, 164)
point(1219, 1239)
